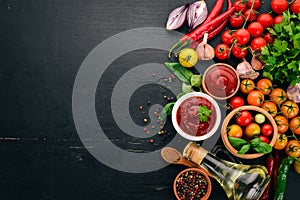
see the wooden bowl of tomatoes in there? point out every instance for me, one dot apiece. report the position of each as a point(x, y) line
point(249, 132)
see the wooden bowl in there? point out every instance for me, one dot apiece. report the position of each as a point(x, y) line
point(219, 78)
point(225, 136)
point(203, 173)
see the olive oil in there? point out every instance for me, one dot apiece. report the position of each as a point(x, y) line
point(240, 182)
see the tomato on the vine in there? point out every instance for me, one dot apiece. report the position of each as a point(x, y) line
point(222, 51)
point(252, 130)
point(278, 96)
point(270, 107)
point(267, 130)
point(246, 86)
point(282, 123)
point(292, 148)
point(251, 13)
point(264, 139)
point(290, 109)
point(269, 38)
point(243, 118)
point(240, 5)
point(236, 20)
point(235, 131)
point(255, 98)
point(295, 125)
point(228, 37)
point(265, 19)
point(242, 36)
point(279, 6)
point(239, 51)
point(264, 85)
point(295, 7)
point(281, 141)
point(236, 102)
point(258, 43)
point(255, 29)
point(256, 4)
point(278, 19)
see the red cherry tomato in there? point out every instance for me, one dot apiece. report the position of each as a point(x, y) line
point(240, 5)
point(295, 7)
point(265, 19)
point(278, 19)
point(258, 43)
point(269, 38)
point(264, 139)
point(239, 51)
point(236, 102)
point(256, 4)
point(243, 118)
point(267, 130)
point(255, 29)
point(242, 36)
point(251, 13)
point(222, 51)
point(236, 20)
point(228, 37)
point(279, 6)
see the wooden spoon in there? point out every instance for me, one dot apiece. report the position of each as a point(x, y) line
point(173, 156)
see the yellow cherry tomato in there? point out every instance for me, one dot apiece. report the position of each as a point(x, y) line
point(188, 57)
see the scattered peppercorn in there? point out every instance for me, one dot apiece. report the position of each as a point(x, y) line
point(141, 107)
point(151, 141)
point(145, 120)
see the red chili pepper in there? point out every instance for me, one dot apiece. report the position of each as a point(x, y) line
point(277, 164)
point(215, 11)
point(270, 167)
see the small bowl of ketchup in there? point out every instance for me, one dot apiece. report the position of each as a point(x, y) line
point(221, 81)
point(196, 116)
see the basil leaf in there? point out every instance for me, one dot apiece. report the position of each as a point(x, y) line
point(262, 148)
point(196, 80)
point(245, 148)
point(180, 72)
point(256, 141)
point(167, 110)
point(237, 143)
point(180, 94)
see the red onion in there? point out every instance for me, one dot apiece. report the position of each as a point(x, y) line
point(196, 14)
point(177, 17)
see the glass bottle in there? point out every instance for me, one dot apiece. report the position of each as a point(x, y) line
point(240, 182)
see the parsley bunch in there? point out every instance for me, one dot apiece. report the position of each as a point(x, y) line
point(282, 58)
point(204, 113)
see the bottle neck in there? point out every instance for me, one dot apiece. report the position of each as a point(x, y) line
point(194, 153)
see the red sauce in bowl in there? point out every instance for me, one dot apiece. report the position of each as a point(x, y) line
point(188, 119)
point(221, 81)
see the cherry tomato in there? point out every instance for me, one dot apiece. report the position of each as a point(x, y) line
point(278, 96)
point(258, 43)
point(295, 125)
point(236, 20)
point(278, 19)
point(293, 148)
point(188, 57)
point(240, 5)
point(252, 130)
point(259, 118)
point(267, 130)
point(239, 51)
point(246, 86)
point(242, 36)
point(270, 107)
point(255, 98)
point(264, 85)
point(264, 139)
point(255, 29)
point(282, 123)
point(290, 109)
point(243, 118)
point(269, 38)
point(281, 141)
point(279, 6)
point(228, 37)
point(251, 13)
point(235, 131)
point(236, 102)
point(256, 4)
point(295, 7)
point(265, 19)
point(222, 51)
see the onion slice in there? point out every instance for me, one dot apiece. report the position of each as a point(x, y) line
point(177, 17)
point(196, 14)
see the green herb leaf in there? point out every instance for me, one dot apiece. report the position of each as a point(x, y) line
point(196, 80)
point(237, 143)
point(186, 88)
point(167, 110)
point(254, 142)
point(204, 113)
point(179, 95)
point(260, 147)
point(180, 72)
point(245, 148)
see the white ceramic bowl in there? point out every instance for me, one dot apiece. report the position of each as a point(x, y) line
point(189, 136)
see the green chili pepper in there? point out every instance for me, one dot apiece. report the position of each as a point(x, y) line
point(282, 177)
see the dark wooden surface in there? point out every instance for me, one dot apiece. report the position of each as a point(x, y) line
point(43, 43)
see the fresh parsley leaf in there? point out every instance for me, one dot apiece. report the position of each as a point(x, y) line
point(204, 113)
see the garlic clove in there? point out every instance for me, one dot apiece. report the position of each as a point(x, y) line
point(256, 63)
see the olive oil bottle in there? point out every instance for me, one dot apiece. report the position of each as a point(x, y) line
point(240, 182)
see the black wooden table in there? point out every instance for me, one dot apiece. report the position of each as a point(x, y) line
point(44, 44)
